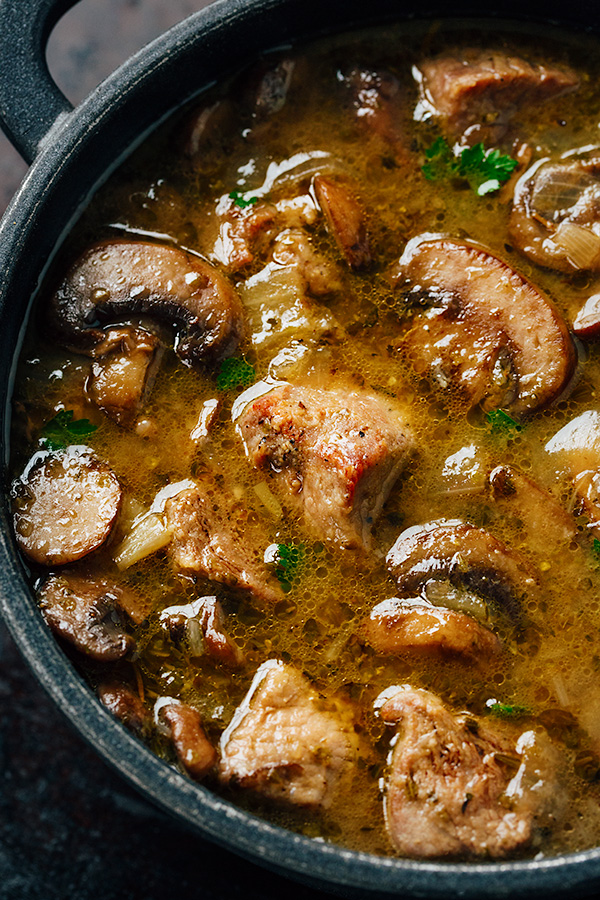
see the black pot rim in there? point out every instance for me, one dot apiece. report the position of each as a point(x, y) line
point(79, 142)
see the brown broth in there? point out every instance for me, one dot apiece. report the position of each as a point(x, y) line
point(159, 193)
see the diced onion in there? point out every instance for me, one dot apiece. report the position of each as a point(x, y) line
point(268, 500)
point(560, 689)
point(581, 245)
point(148, 535)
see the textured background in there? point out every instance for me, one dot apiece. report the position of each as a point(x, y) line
point(69, 828)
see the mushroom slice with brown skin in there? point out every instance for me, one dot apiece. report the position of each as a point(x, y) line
point(555, 218)
point(335, 454)
point(86, 612)
point(116, 279)
point(475, 95)
point(577, 449)
point(204, 615)
point(125, 705)
point(122, 372)
point(470, 558)
point(455, 786)
point(413, 626)
point(479, 328)
point(194, 750)
point(286, 743)
point(345, 219)
point(64, 505)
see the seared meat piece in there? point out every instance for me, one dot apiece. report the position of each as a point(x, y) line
point(206, 615)
point(116, 279)
point(65, 505)
point(86, 613)
point(243, 232)
point(336, 454)
point(345, 219)
point(292, 247)
point(284, 743)
point(467, 557)
point(415, 626)
point(457, 788)
point(378, 102)
point(207, 541)
point(122, 373)
point(476, 95)
point(481, 329)
point(125, 705)
point(194, 751)
point(577, 446)
point(555, 219)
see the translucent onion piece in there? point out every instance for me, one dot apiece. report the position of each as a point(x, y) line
point(147, 536)
point(268, 500)
point(581, 245)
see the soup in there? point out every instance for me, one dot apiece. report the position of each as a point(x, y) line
point(306, 446)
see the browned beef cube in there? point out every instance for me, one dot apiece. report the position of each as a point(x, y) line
point(336, 454)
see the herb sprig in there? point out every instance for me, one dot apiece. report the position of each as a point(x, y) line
point(289, 559)
point(240, 201)
point(507, 710)
point(501, 422)
point(63, 429)
point(484, 170)
point(235, 372)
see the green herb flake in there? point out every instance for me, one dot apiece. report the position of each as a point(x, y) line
point(507, 710)
point(484, 170)
point(501, 422)
point(596, 547)
point(63, 430)
point(289, 560)
point(239, 199)
point(235, 372)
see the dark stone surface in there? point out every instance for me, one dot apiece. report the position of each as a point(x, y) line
point(69, 827)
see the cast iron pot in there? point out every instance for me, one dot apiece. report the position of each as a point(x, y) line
point(71, 152)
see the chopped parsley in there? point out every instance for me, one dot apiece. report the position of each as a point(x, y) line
point(484, 170)
point(63, 430)
point(596, 548)
point(235, 372)
point(239, 199)
point(289, 559)
point(501, 422)
point(507, 710)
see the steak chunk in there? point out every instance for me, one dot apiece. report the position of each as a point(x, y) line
point(477, 94)
point(283, 743)
point(208, 541)
point(336, 454)
point(455, 787)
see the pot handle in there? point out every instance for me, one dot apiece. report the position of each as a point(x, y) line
point(30, 101)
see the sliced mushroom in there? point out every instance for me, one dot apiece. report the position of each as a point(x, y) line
point(86, 613)
point(207, 134)
point(116, 279)
point(577, 448)
point(204, 619)
point(64, 505)
point(345, 219)
point(555, 219)
point(479, 328)
point(398, 626)
point(475, 95)
point(194, 750)
point(467, 557)
point(125, 705)
point(122, 373)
